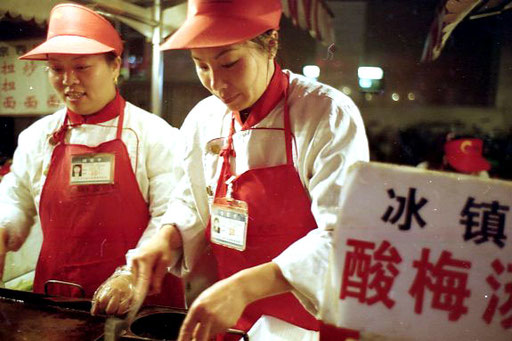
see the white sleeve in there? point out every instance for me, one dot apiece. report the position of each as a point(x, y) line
point(338, 142)
point(17, 208)
point(162, 149)
point(304, 264)
point(188, 207)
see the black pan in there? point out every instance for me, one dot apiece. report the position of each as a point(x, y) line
point(164, 324)
point(30, 316)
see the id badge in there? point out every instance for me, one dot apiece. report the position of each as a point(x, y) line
point(228, 224)
point(92, 169)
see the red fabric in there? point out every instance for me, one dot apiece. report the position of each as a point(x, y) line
point(465, 155)
point(279, 214)
point(307, 13)
point(328, 332)
point(294, 11)
point(316, 9)
point(5, 168)
point(270, 98)
point(89, 32)
point(87, 229)
point(107, 113)
point(211, 23)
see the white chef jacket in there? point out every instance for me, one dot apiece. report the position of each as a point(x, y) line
point(154, 148)
point(328, 136)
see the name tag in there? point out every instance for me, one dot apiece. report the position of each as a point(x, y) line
point(90, 169)
point(229, 223)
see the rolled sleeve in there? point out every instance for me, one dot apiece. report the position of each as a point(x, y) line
point(163, 172)
point(304, 264)
point(338, 140)
point(188, 208)
point(17, 205)
point(156, 153)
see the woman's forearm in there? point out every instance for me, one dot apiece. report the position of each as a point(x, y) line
point(171, 233)
point(261, 281)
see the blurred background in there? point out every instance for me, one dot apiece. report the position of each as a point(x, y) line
point(419, 70)
point(409, 99)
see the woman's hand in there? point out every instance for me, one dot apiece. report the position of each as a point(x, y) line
point(115, 295)
point(129, 285)
point(150, 262)
point(216, 309)
point(219, 307)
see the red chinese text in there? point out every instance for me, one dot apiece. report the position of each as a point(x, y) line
point(446, 280)
point(8, 85)
point(9, 102)
point(7, 68)
point(29, 68)
point(369, 275)
point(53, 101)
point(31, 102)
point(505, 309)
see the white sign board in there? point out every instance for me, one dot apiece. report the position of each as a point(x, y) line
point(422, 255)
point(24, 85)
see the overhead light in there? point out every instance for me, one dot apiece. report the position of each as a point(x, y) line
point(365, 83)
point(346, 90)
point(371, 79)
point(370, 72)
point(311, 71)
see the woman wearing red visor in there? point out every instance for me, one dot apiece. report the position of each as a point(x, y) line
point(98, 173)
point(266, 156)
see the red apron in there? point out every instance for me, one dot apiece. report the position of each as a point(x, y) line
point(279, 214)
point(329, 332)
point(87, 229)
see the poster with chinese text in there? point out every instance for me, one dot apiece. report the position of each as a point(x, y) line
point(24, 85)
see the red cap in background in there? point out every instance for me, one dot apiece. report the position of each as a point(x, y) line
point(465, 155)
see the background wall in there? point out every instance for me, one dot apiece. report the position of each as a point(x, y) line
point(467, 91)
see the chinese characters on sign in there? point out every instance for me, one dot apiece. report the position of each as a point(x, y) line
point(505, 308)
point(415, 249)
point(370, 269)
point(482, 221)
point(410, 206)
point(24, 86)
point(447, 280)
point(364, 271)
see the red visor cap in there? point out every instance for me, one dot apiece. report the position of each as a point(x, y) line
point(213, 23)
point(465, 155)
point(75, 29)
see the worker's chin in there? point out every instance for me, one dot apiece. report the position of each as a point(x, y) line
point(80, 106)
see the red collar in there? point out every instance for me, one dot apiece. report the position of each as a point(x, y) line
point(270, 98)
point(108, 112)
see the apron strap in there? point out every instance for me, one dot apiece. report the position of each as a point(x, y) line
point(227, 151)
point(59, 136)
point(287, 124)
point(120, 120)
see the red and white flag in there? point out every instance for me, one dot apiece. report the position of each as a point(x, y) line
point(314, 16)
point(448, 16)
